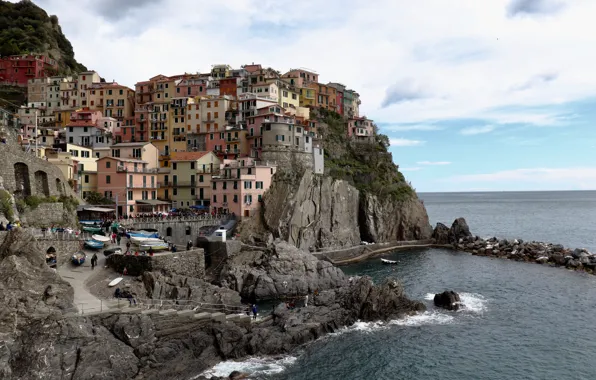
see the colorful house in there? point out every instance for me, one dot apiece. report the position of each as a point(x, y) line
point(18, 69)
point(361, 128)
point(240, 185)
point(190, 178)
point(143, 151)
point(131, 184)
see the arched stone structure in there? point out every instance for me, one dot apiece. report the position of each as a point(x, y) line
point(21, 177)
point(59, 186)
point(41, 183)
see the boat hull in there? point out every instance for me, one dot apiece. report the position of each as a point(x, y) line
point(154, 247)
point(94, 244)
point(78, 258)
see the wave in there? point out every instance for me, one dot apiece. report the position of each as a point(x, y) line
point(426, 318)
point(471, 302)
point(252, 366)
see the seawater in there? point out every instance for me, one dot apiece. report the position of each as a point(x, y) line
point(519, 321)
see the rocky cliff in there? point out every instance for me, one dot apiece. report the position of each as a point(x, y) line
point(41, 339)
point(278, 271)
point(315, 212)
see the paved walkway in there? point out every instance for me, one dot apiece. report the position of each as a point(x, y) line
point(79, 276)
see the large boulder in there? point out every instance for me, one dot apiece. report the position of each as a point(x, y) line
point(448, 300)
point(281, 270)
point(459, 230)
point(441, 234)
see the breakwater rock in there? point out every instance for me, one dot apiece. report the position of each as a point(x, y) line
point(460, 238)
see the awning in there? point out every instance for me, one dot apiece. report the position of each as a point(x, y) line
point(200, 207)
point(99, 209)
point(153, 202)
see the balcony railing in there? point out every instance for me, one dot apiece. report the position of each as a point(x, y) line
point(141, 186)
point(123, 169)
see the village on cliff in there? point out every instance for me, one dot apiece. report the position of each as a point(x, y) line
point(206, 141)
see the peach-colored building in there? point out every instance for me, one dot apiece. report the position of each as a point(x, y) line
point(131, 184)
point(143, 151)
point(239, 187)
point(361, 128)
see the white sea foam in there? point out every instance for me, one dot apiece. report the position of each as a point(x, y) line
point(474, 303)
point(252, 366)
point(426, 318)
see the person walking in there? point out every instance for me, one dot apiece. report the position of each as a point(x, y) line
point(93, 261)
point(113, 238)
point(118, 239)
point(128, 247)
point(254, 311)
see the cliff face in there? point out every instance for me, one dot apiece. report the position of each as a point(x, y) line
point(313, 211)
point(386, 220)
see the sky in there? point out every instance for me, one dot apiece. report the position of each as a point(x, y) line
point(490, 95)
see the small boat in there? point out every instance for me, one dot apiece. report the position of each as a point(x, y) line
point(391, 262)
point(90, 223)
point(78, 258)
point(138, 240)
point(93, 230)
point(155, 246)
point(94, 244)
point(101, 238)
point(142, 234)
point(115, 281)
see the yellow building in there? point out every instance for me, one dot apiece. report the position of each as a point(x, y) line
point(118, 101)
point(88, 183)
point(289, 99)
point(85, 157)
point(307, 97)
point(190, 178)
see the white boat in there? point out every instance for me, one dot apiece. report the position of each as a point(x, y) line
point(385, 261)
point(141, 240)
point(155, 246)
point(103, 239)
point(115, 281)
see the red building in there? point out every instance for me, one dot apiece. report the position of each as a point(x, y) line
point(18, 69)
point(340, 102)
point(228, 86)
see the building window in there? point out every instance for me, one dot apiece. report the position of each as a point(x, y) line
point(130, 195)
point(175, 191)
point(86, 178)
point(225, 198)
point(108, 179)
point(108, 164)
point(214, 185)
point(200, 178)
point(247, 184)
point(192, 191)
point(174, 165)
point(192, 165)
point(215, 199)
point(188, 230)
point(259, 185)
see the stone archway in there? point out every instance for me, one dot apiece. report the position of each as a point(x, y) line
point(59, 186)
point(21, 176)
point(41, 183)
point(169, 231)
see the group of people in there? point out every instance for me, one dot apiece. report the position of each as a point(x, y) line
point(10, 226)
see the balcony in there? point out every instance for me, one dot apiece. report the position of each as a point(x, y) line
point(123, 169)
point(178, 184)
point(141, 186)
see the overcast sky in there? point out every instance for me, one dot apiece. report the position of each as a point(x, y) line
point(474, 94)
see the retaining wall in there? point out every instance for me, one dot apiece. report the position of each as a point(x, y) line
point(185, 263)
point(180, 232)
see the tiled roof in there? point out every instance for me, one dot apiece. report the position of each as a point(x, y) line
point(188, 156)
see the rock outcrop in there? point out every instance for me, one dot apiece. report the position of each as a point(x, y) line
point(312, 211)
point(447, 300)
point(281, 270)
point(40, 340)
point(382, 221)
point(460, 238)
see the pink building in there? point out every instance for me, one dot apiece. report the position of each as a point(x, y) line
point(192, 87)
point(361, 128)
point(131, 184)
point(301, 77)
point(240, 186)
point(264, 115)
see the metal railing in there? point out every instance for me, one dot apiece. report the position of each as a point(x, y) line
point(189, 218)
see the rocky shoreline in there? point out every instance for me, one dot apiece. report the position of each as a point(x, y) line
point(459, 237)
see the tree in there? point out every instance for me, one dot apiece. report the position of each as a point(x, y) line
point(95, 198)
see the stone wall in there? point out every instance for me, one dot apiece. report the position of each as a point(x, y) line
point(24, 174)
point(288, 160)
point(64, 248)
point(180, 232)
point(217, 252)
point(46, 215)
point(185, 263)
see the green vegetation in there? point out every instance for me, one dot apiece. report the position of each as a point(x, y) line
point(94, 198)
point(366, 165)
point(6, 206)
point(33, 201)
point(26, 28)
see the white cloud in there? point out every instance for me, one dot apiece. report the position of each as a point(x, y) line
point(466, 65)
point(405, 142)
point(477, 130)
point(411, 127)
point(434, 163)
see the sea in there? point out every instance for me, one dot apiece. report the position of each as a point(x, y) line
point(519, 320)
